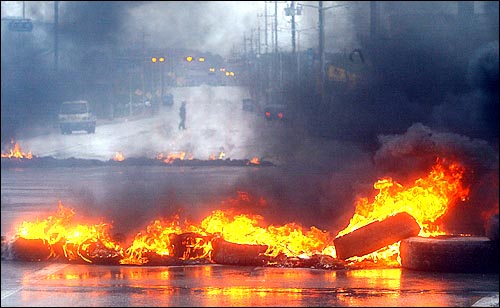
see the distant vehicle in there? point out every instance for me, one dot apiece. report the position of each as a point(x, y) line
point(275, 112)
point(248, 104)
point(76, 115)
point(168, 100)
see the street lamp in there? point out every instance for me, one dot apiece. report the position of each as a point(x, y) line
point(159, 60)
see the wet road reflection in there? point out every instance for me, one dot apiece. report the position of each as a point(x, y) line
point(51, 284)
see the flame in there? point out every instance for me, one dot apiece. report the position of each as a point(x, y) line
point(290, 239)
point(221, 156)
point(163, 238)
point(254, 161)
point(60, 229)
point(172, 156)
point(426, 200)
point(118, 156)
point(16, 152)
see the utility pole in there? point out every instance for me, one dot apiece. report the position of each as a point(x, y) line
point(292, 7)
point(321, 47)
point(258, 40)
point(56, 35)
point(245, 44)
point(276, 64)
point(265, 25)
point(275, 26)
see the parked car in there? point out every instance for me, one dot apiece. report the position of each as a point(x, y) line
point(248, 104)
point(76, 115)
point(275, 112)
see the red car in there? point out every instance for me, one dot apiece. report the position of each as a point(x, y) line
point(275, 112)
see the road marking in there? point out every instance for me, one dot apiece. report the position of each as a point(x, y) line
point(36, 276)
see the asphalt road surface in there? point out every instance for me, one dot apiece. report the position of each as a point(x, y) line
point(123, 193)
point(308, 190)
point(46, 284)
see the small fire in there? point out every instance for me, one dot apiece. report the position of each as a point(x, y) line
point(16, 152)
point(172, 156)
point(220, 156)
point(118, 156)
point(254, 161)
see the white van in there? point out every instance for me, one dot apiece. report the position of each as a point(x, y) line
point(76, 115)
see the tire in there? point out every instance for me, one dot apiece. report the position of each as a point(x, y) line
point(91, 130)
point(465, 254)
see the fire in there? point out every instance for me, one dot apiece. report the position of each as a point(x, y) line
point(426, 200)
point(163, 238)
point(59, 231)
point(290, 239)
point(254, 161)
point(221, 156)
point(16, 152)
point(118, 156)
point(172, 156)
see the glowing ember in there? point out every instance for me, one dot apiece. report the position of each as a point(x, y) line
point(118, 156)
point(16, 152)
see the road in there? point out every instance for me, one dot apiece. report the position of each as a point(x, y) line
point(310, 184)
point(108, 192)
point(215, 122)
point(62, 285)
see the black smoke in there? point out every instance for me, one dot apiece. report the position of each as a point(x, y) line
point(429, 89)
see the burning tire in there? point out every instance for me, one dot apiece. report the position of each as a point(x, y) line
point(449, 254)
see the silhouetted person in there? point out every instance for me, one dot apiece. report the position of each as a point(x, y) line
point(182, 114)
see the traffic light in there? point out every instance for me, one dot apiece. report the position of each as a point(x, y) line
point(189, 58)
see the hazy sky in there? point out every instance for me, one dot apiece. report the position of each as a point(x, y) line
point(209, 26)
